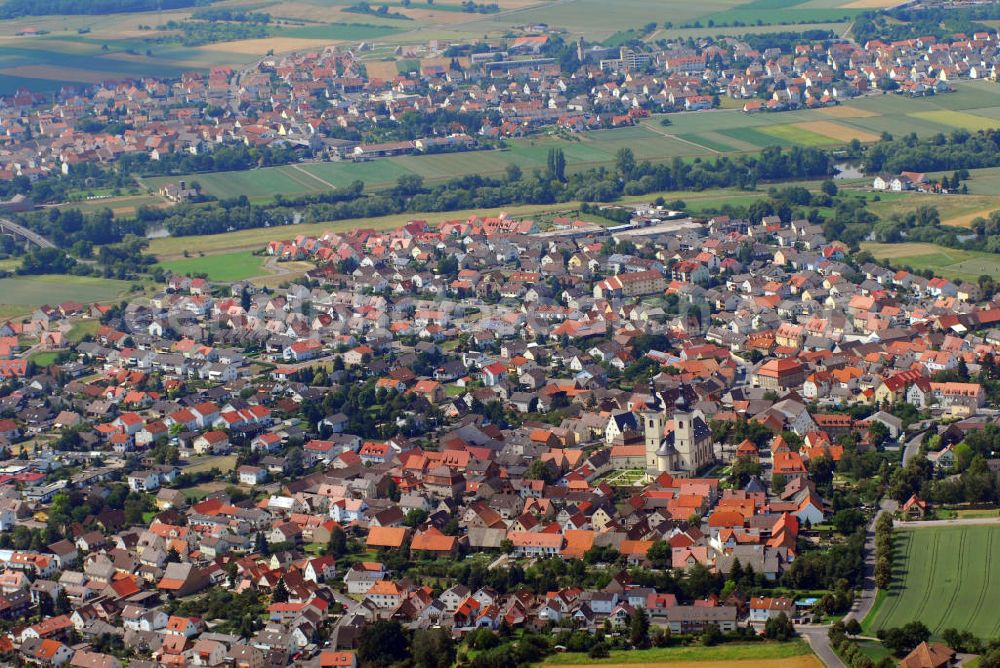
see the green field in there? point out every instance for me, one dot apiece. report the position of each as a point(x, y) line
point(949, 263)
point(785, 12)
point(726, 652)
point(23, 293)
point(225, 268)
point(225, 464)
point(944, 577)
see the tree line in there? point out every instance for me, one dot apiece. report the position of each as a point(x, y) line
point(15, 8)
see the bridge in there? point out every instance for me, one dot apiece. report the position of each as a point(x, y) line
point(22, 233)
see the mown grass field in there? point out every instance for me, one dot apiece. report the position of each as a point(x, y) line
point(794, 654)
point(945, 577)
point(225, 267)
point(950, 263)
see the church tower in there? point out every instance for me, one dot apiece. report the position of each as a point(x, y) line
point(653, 425)
point(684, 440)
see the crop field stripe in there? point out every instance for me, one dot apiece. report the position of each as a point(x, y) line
point(986, 580)
point(929, 571)
point(291, 172)
point(960, 579)
point(324, 182)
point(898, 578)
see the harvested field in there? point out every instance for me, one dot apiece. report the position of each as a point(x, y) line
point(837, 131)
point(965, 220)
point(253, 47)
point(382, 69)
point(842, 111)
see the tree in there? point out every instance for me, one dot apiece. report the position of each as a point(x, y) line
point(779, 628)
point(432, 648)
point(852, 627)
point(639, 629)
point(280, 593)
point(599, 650)
point(625, 162)
point(848, 520)
point(540, 470)
point(556, 164)
point(903, 639)
point(514, 173)
point(711, 635)
point(382, 644)
point(778, 483)
point(338, 542)
point(415, 517)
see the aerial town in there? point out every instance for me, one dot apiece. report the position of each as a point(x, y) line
point(324, 105)
point(490, 342)
point(434, 401)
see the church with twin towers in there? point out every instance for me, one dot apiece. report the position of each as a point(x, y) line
point(687, 447)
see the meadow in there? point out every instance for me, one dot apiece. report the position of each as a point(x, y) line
point(944, 577)
point(21, 294)
point(225, 267)
point(951, 263)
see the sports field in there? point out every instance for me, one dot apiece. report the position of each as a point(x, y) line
point(945, 577)
point(950, 263)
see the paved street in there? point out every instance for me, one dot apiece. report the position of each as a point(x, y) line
point(815, 635)
point(912, 447)
point(820, 644)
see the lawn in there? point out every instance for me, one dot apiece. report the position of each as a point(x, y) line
point(945, 578)
point(81, 329)
point(747, 654)
point(225, 268)
point(949, 263)
point(43, 359)
point(225, 464)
